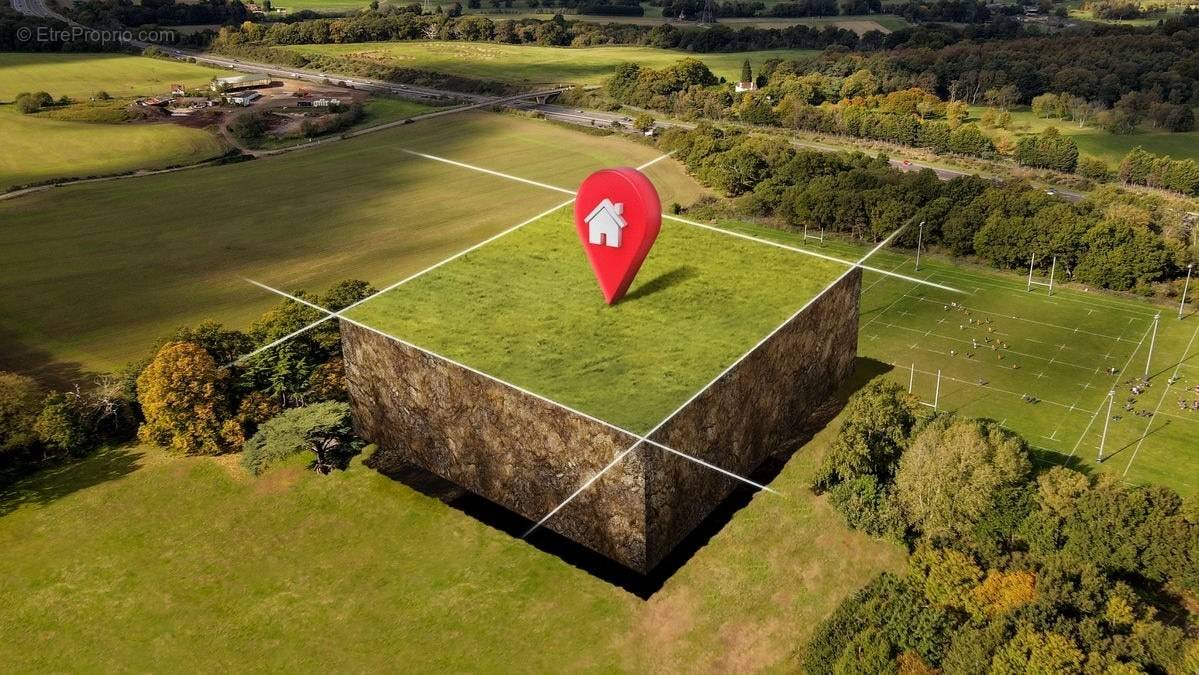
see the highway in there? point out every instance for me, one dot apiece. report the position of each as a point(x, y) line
point(593, 118)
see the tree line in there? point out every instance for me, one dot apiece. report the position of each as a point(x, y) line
point(791, 96)
point(407, 22)
point(192, 395)
point(1112, 239)
point(1160, 61)
point(1012, 570)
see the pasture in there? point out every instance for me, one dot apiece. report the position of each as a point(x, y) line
point(1096, 142)
point(526, 64)
point(526, 309)
point(1038, 363)
point(95, 273)
point(35, 148)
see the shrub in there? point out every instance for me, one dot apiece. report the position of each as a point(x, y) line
point(60, 424)
point(20, 403)
point(323, 428)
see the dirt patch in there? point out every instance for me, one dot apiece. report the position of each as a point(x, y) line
point(231, 463)
point(664, 621)
point(278, 480)
point(749, 647)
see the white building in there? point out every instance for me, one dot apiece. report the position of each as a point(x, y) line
point(243, 98)
point(604, 224)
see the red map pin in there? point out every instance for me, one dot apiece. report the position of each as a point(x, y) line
point(618, 216)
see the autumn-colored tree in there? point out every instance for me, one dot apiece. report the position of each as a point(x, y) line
point(1001, 592)
point(181, 396)
point(953, 472)
point(1032, 652)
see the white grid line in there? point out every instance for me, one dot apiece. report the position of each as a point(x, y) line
point(641, 438)
point(475, 247)
point(1165, 392)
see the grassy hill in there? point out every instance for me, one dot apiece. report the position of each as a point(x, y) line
point(526, 64)
point(34, 148)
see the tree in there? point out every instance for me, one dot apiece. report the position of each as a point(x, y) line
point(953, 473)
point(747, 73)
point(1031, 651)
point(323, 429)
point(1045, 105)
point(60, 424)
point(1002, 97)
point(1048, 150)
point(181, 397)
point(643, 122)
point(877, 422)
point(956, 112)
point(20, 404)
point(970, 140)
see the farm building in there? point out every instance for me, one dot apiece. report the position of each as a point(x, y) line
point(242, 98)
point(240, 82)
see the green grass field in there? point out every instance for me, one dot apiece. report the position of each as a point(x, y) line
point(1057, 351)
point(526, 309)
point(34, 148)
point(535, 65)
point(132, 559)
point(1098, 143)
point(94, 274)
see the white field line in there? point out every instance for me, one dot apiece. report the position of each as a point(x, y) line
point(814, 254)
point(475, 247)
point(1165, 392)
point(1091, 379)
point(640, 437)
point(340, 313)
point(579, 491)
point(480, 169)
point(976, 384)
point(772, 333)
point(1100, 410)
point(892, 305)
point(881, 279)
point(1043, 323)
point(1050, 361)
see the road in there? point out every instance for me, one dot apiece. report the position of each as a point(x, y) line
point(39, 8)
point(594, 118)
point(597, 118)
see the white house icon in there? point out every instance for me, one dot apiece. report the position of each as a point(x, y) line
point(604, 224)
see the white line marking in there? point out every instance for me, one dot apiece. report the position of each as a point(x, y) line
point(1165, 392)
point(480, 169)
point(339, 314)
point(1101, 403)
point(814, 254)
point(579, 491)
point(641, 438)
point(764, 340)
point(475, 247)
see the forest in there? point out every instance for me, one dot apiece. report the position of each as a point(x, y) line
point(1014, 568)
point(1112, 239)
